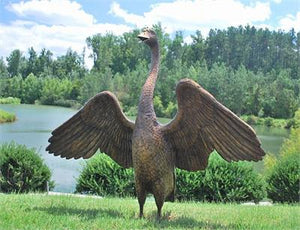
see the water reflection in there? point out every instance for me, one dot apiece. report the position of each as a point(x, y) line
point(35, 123)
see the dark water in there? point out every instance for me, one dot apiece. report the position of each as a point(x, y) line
point(35, 123)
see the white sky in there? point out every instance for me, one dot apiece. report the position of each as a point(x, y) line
point(61, 24)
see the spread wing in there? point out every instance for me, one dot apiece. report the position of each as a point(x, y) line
point(100, 124)
point(202, 124)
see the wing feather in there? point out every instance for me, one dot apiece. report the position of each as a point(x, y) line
point(202, 124)
point(100, 124)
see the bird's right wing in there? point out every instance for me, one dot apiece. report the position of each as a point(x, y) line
point(203, 124)
point(100, 124)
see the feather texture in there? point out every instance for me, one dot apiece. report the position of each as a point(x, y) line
point(202, 124)
point(100, 124)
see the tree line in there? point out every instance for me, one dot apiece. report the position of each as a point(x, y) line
point(250, 70)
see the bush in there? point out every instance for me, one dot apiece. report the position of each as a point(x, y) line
point(283, 178)
point(283, 182)
point(22, 170)
point(268, 121)
point(189, 185)
point(295, 121)
point(6, 116)
point(221, 182)
point(102, 176)
point(10, 100)
point(251, 119)
point(67, 103)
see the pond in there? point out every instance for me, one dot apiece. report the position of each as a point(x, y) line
point(35, 123)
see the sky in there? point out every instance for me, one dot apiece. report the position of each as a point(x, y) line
point(58, 25)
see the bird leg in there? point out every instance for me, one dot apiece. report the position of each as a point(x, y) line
point(141, 199)
point(159, 200)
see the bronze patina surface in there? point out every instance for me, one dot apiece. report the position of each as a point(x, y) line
point(201, 125)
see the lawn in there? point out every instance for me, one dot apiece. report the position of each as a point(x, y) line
point(39, 211)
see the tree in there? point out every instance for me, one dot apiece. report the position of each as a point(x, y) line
point(32, 62)
point(44, 63)
point(32, 88)
point(3, 69)
point(175, 50)
point(70, 66)
point(14, 63)
point(195, 52)
point(102, 48)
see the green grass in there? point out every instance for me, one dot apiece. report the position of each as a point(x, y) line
point(65, 212)
point(6, 116)
point(10, 100)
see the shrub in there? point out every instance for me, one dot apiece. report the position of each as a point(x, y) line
point(67, 103)
point(251, 119)
point(221, 181)
point(189, 185)
point(283, 182)
point(132, 111)
point(6, 116)
point(295, 121)
point(10, 100)
point(22, 170)
point(268, 121)
point(283, 178)
point(102, 176)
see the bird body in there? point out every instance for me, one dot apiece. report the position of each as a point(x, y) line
point(153, 160)
point(201, 125)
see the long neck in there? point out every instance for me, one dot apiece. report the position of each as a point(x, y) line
point(146, 99)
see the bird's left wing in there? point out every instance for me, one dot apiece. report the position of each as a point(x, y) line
point(203, 124)
point(100, 124)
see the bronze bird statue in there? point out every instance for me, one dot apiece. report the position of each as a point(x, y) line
point(201, 125)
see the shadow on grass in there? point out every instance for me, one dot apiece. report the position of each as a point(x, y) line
point(81, 213)
point(183, 222)
point(150, 221)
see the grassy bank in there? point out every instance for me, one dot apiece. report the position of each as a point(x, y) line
point(267, 121)
point(6, 116)
point(10, 100)
point(65, 212)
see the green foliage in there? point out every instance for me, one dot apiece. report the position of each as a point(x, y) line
point(15, 63)
point(22, 170)
point(283, 177)
point(57, 91)
point(269, 162)
point(3, 69)
point(291, 146)
point(10, 100)
point(6, 116)
point(268, 121)
point(158, 106)
point(295, 121)
point(102, 176)
point(283, 183)
point(189, 185)
point(31, 89)
point(94, 83)
point(221, 182)
point(171, 109)
point(251, 71)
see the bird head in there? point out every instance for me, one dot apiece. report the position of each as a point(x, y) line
point(148, 36)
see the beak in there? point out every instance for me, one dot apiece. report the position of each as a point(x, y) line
point(143, 36)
